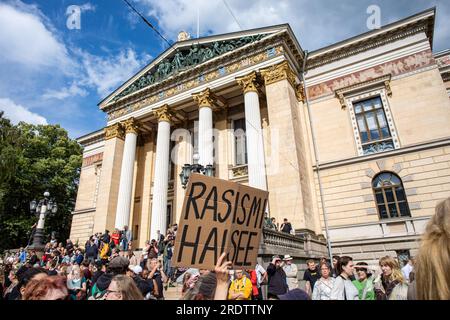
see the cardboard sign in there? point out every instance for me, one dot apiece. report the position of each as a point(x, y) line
point(219, 216)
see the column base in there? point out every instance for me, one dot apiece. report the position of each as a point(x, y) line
point(38, 241)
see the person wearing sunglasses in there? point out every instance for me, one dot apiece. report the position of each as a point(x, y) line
point(364, 282)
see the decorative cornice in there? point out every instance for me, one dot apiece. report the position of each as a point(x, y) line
point(384, 81)
point(205, 98)
point(248, 82)
point(114, 131)
point(411, 29)
point(278, 72)
point(131, 126)
point(163, 113)
point(189, 79)
point(185, 58)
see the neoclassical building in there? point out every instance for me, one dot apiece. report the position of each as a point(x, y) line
point(355, 136)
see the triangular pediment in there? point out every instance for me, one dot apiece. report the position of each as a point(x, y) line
point(186, 55)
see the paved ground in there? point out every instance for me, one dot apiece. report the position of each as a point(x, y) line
point(173, 293)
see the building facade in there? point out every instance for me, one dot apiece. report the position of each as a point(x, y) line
point(365, 120)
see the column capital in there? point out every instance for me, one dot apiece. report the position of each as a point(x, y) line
point(205, 98)
point(131, 126)
point(300, 93)
point(278, 72)
point(114, 131)
point(248, 82)
point(163, 114)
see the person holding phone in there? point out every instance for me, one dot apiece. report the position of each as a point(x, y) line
point(277, 279)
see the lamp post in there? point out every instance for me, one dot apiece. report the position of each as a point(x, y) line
point(188, 169)
point(41, 209)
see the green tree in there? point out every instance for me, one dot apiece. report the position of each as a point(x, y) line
point(35, 159)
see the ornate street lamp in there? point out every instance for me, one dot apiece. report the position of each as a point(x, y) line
point(188, 169)
point(41, 209)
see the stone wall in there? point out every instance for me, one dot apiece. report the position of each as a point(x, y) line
point(82, 226)
point(348, 194)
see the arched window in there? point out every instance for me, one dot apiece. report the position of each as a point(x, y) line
point(390, 196)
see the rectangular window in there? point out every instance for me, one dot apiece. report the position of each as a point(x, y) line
point(240, 145)
point(372, 125)
point(194, 137)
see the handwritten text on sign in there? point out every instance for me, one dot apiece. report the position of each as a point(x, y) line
point(219, 216)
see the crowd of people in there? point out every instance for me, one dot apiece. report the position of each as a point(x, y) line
point(107, 269)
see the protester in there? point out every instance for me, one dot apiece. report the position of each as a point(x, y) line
point(46, 288)
point(261, 275)
point(323, 286)
point(334, 272)
point(291, 272)
point(125, 239)
point(277, 278)
point(240, 288)
point(91, 250)
point(364, 282)
point(204, 288)
point(123, 287)
point(343, 288)
point(390, 285)
point(159, 277)
point(407, 269)
point(132, 258)
point(115, 238)
point(311, 275)
point(432, 278)
point(296, 294)
point(116, 266)
point(286, 226)
point(145, 286)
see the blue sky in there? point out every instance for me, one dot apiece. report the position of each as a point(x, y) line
point(53, 74)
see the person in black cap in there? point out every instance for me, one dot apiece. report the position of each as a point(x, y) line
point(277, 278)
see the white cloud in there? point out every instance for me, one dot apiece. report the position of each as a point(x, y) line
point(106, 73)
point(66, 92)
point(315, 23)
point(25, 39)
point(87, 7)
point(16, 113)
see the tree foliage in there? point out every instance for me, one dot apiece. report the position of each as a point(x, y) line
point(35, 159)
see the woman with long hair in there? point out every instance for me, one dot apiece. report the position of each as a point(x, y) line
point(432, 279)
point(343, 288)
point(123, 287)
point(390, 284)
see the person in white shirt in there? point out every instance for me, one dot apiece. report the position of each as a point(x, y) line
point(408, 268)
point(261, 275)
point(323, 286)
point(291, 272)
point(343, 288)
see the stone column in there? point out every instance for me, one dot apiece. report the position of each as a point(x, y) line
point(205, 101)
point(161, 174)
point(108, 189)
point(291, 188)
point(127, 174)
point(254, 136)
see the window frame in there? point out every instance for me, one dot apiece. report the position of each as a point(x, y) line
point(386, 203)
point(235, 145)
point(351, 100)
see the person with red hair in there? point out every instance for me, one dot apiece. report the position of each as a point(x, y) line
point(46, 288)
